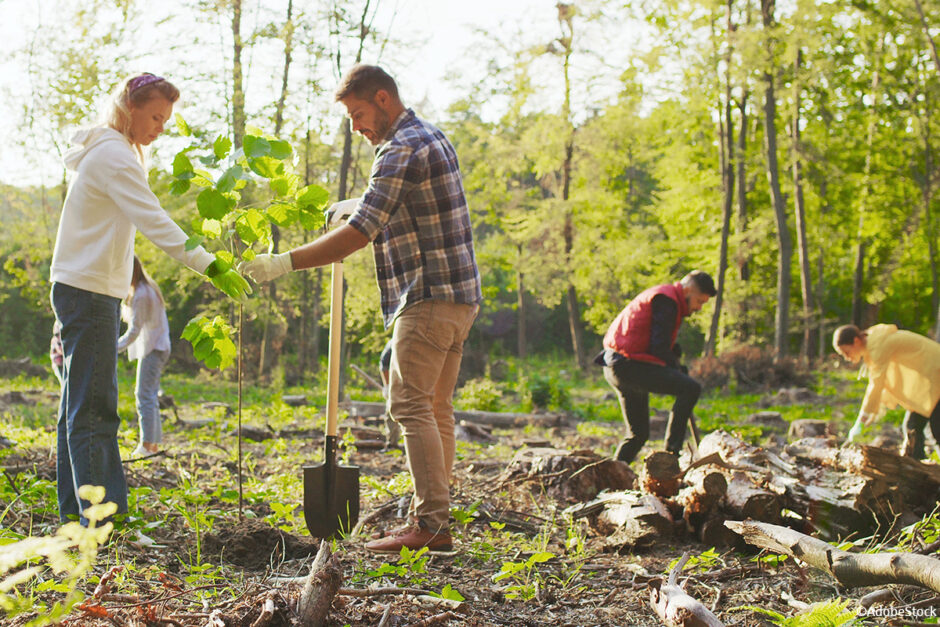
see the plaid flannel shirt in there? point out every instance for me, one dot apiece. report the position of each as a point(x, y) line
point(415, 213)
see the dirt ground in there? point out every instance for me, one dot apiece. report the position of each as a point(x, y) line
point(585, 582)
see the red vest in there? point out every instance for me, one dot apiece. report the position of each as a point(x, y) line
point(629, 334)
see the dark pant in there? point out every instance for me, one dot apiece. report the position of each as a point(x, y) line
point(634, 380)
point(913, 429)
point(87, 447)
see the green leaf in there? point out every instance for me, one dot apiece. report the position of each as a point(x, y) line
point(182, 166)
point(266, 166)
point(283, 214)
point(193, 329)
point(313, 198)
point(280, 149)
point(221, 147)
point(182, 126)
point(539, 558)
point(285, 185)
point(249, 254)
point(212, 228)
point(447, 592)
point(229, 178)
point(213, 204)
point(252, 226)
point(178, 187)
point(194, 241)
point(202, 179)
point(312, 220)
point(203, 348)
point(255, 146)
point(227, 260)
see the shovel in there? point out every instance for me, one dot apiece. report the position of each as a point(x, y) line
point(331, 490)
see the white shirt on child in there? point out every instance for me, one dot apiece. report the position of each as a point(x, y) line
point(147, 326)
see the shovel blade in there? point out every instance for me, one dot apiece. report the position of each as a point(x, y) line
point(331, 506)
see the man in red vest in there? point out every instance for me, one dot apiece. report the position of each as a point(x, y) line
point(641, 356)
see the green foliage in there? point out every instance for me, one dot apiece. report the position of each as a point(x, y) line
point(703, 562)
point(524, 575)
point(825, 614)
point(411, 566)
point(481, 394)
point(239, 227)
point(68, 555)
point(544, 391)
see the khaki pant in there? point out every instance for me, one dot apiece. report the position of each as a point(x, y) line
point(427, 346)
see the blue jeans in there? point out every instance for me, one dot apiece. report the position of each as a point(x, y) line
point(87, 446)
point(149, 369)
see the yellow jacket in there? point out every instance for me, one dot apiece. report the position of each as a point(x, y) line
point(903, 369)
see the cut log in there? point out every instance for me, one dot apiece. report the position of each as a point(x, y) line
point(569, 476)
point(632, 520)
point(492, 418)
point(320, 588)
point(705, 487)
point(849, 569)
point(661, 474)
point(748, 500)
point(675, 607)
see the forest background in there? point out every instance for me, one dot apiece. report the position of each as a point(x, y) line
point(788, 148)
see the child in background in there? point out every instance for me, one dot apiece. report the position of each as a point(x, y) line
point(147, 340)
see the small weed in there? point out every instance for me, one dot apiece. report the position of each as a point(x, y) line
point(525, 576)
point(826, 614)
point(410, 566)
point(703, 562)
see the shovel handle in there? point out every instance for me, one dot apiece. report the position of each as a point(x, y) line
point(336, 329)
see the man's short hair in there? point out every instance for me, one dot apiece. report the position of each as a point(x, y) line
point(702, 281)
point(363, 81)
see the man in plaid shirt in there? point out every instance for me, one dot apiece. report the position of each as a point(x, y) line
point(415, 214)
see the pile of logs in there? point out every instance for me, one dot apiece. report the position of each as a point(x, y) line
point(811, 485)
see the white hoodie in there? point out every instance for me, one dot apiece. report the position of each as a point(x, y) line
point(108, 200)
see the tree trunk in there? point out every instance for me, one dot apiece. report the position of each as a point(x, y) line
point(566, 23)
point(521, 312)
point(320, 588)
point(851, 570)
point(806, 279)
point(858, 286)
point(930, 41)
point(784, 241)
point(726, 130)
point(238, 92)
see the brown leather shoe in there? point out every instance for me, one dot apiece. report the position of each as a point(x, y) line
point(414, 537)
point(394, 531)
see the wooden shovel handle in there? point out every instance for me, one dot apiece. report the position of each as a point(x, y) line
point(336, 332)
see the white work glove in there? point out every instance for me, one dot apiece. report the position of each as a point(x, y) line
point(266, 267)
point(855, 431)
point(385, 391)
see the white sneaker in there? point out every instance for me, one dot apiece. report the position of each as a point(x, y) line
point(140, 451)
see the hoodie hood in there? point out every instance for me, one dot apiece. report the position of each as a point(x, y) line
point(876, 336)
point(86, 139)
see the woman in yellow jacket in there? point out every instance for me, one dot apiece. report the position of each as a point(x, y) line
point(903, 369)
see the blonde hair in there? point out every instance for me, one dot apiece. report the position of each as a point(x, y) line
point(135, 92)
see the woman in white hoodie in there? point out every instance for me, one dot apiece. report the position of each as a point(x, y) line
point(903, 369)
point(107, 202)
point(147, 340)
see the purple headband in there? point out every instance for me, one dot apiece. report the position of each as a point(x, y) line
point(141, 81)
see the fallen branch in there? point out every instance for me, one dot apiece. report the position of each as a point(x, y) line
point(267, 612)
point(321, 586)
point(849, 569)
point(492, 418)
point(374, 592)
point(676, 608)
point(437, 619)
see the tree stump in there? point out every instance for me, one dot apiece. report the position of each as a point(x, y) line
point(569, 476)
point(661, 474)
point(320, 588)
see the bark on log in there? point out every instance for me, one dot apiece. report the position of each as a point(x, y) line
point(661, 474)
point(320, 588)
point(568, 475)
point(675, 607)
point(629, 519)
point(849, 569)
point(704, 490)
point(751, 501)
point(492, 418)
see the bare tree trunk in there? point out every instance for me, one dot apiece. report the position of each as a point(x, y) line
point(806, 279)
point(858, 286)
point(784, 240)
point(265, 358)
point(726, 130)
point(566, 23)
point(238, 92)
point(521, 312)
